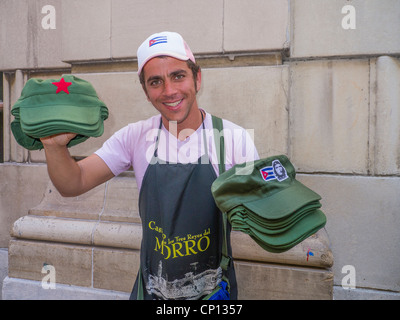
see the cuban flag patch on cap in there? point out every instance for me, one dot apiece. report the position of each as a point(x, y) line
point(157, 40)
point(276, 171)
point(267, 173)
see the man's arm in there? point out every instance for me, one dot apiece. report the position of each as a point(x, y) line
point(72, 178)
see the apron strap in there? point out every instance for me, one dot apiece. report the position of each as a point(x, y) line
point(220, 148)
point(140, 295)
point(219, 143)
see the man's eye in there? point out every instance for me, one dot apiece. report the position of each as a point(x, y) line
point(155, 82)
point(179, 76)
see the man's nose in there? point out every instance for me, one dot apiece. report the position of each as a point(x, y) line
point(169, 88)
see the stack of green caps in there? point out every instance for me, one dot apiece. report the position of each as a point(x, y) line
point(264, 200)
point(48, 107)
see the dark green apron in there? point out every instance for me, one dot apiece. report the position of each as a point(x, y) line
point(182, 232)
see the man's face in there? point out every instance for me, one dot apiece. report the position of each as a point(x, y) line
point(170, 87)
point(278, 169)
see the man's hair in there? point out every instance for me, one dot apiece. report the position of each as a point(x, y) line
point(192, 66)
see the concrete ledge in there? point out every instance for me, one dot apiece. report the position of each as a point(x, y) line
point(3, 266)
point(22, 289)
point(256, 281)
point(363, 294)
point(86, 232)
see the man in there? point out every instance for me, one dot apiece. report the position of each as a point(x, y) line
point(175, 162)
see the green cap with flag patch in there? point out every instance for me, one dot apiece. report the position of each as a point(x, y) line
point(269, 204)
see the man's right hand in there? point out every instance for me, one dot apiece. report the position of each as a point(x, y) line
point(58, 140)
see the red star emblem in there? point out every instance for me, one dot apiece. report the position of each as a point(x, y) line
point(62, 85)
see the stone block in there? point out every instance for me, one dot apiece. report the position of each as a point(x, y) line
point(115, 269)
point(72, 264)
point(317, 28)
point(86, 24)
point(86, 206)
point(132, 24)
point(48, 41)
point(329, 116)
point(259, 281)
point(22, 187)
point(29, 45)
point(245, 248)
point(259, 26)
point(3, 267)
point(14, 10)
point(252, 97)
point(363, 220)
point(121, 202)
point(386, 117)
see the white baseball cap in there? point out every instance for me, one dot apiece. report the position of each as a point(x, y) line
point(163, 44)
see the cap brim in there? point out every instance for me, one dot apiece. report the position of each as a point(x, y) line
point(67, 113)
point(283, 203)
point(239, 220)
point(43, 121)
point(162, 53)
point(23, 139)
point(32, 143)
point(304, 228)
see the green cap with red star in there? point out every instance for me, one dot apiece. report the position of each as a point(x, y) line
point(52, 106)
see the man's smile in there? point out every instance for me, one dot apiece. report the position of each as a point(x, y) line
point(173, 105)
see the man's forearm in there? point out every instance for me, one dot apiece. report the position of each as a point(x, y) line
point(64, 171)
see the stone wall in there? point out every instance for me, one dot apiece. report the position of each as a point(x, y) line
point(316, 80)
point(93, 244)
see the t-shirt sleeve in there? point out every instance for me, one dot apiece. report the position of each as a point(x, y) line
point(116, 151)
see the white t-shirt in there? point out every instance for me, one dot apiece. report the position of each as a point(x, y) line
point(134, 145)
